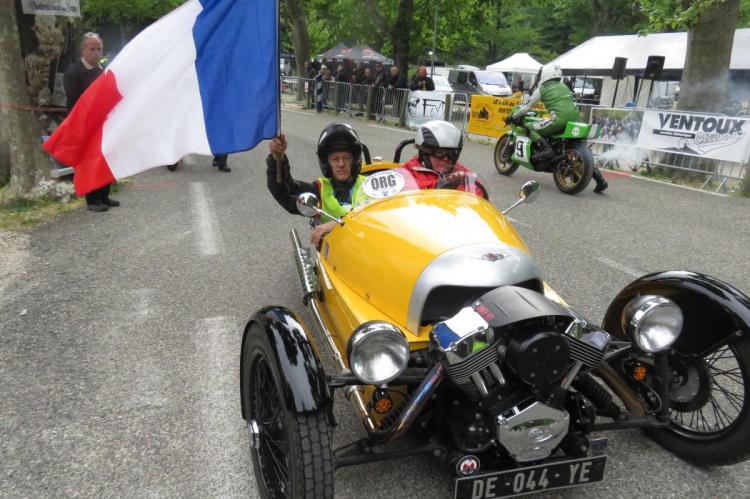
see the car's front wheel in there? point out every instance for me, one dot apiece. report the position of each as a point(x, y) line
point(291, 451)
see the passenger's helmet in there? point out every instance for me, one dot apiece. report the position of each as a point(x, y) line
point(339, 137)
point(438, 134)
point(550, 72)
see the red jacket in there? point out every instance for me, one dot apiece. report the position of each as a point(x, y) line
point(428, 179)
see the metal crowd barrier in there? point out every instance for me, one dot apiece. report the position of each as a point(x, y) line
point(712, 171)
point(336, 96)
point(390, 104)
point(299, 91)
point(381, 103)
point(457, 110)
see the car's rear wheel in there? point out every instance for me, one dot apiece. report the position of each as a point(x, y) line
point(291, 452)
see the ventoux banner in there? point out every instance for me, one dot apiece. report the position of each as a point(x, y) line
point(709, 136)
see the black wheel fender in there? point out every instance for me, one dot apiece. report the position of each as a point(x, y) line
point(713, 310)
point(303, 385)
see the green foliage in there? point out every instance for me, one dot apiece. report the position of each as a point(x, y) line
point(126, 12)
point(666, 15)
point(475, 32)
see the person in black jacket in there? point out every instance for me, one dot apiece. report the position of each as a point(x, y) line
point(421, 81)
point(338, 189)
point(78, 76)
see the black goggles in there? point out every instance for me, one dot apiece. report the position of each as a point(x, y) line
point(451, 154)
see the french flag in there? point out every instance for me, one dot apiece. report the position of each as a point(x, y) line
point(203, 79)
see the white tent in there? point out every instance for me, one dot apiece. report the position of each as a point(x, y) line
point(596, 56)
point(520, 62)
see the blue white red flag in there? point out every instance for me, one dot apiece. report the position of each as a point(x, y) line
point(203, 79)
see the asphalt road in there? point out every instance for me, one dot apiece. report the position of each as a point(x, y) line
point(121, 378)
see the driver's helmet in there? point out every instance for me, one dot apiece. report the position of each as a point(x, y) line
point(438, 134)
point(339, 137)
point(550, 72)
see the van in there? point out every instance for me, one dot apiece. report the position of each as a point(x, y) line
point(477, 82)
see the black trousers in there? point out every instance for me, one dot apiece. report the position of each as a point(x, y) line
point(98, 196)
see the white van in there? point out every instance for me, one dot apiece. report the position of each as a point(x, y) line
point(473, 82)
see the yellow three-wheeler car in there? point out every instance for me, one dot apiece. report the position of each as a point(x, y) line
point(447, 341)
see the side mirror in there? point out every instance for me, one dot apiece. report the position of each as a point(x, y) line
point(307, 204)
point(528, 193)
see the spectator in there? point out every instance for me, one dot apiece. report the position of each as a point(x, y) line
point(380, 74)
point(421, 81)
point(368, 78)
point(78, 76)
point(396, 79)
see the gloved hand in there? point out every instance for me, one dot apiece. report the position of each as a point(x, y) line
point(515, 120)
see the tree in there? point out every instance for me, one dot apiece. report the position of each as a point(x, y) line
point(711, 25)
point(28, 163)
point(300, 38)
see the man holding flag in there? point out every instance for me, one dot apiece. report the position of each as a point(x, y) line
point(203, 79)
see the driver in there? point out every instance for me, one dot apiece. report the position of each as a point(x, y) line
point(558, 99)
point(436, 165)
point(340, 187)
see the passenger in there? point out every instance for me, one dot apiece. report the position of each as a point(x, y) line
point(558, 99)
point(339, 189)
point(436, 165)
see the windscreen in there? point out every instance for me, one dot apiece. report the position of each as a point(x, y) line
point(391, 182)
point(491, 78)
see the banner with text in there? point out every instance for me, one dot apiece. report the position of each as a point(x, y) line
point(423, 107)
point(70, 8)
point(708, 136)
point(488, 114)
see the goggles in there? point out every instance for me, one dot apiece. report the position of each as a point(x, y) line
point(451, 154)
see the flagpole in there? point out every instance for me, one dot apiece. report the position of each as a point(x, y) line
point(279, 176)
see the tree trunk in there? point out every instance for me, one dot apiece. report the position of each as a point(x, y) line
point(20, 128)
point(300, 39)
point(709, 48)
point(400, 35)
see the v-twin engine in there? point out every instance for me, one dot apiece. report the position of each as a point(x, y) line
point(517, 361)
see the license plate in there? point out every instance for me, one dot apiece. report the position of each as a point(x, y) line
point(532, 479)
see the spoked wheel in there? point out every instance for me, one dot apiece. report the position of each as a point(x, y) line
point(710, 407)
point(573, 174)
point(503, 152)
point(291, 452)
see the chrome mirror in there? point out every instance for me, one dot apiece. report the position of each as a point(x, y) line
point(307, 204)
point(528, 193)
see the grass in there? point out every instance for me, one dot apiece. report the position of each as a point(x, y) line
point(20, 213)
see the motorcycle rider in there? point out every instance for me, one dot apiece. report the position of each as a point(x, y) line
point(339, 189)
point(558, 99)
point(436, 166)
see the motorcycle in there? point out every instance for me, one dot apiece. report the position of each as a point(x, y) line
point(447, 341)
point(570, 163)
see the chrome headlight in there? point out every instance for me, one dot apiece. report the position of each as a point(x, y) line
point(378, 352)
point(652, 322)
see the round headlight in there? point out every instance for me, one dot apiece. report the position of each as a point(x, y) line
point(652, 322)
point(378, 352)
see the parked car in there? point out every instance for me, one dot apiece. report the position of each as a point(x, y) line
point(442, 84)
point(473, 82)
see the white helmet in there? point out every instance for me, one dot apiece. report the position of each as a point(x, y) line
point(438, 134)
point(550, 72)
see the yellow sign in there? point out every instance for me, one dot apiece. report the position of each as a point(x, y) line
point(488, 114)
